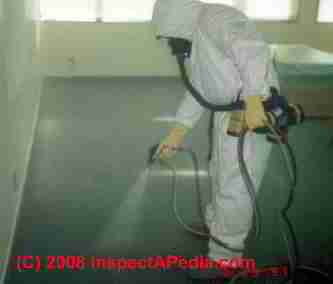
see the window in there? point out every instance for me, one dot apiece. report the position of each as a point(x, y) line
point(141, 10)
point(127, 10)
point(264, 9)
point(68, 10)
point(325, 14)
point(271, 9)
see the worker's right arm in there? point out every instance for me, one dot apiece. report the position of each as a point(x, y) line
point(187, 116)
point(189, 111)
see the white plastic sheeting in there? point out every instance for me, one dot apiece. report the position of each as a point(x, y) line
point(302, 60)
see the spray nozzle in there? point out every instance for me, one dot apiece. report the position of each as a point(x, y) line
point(152, 153)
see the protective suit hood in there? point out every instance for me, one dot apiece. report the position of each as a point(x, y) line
point(176, 18)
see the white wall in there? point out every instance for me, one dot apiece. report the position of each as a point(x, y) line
point(24, 79)
point(6, 201)
point(21, 76)
point(97, 49)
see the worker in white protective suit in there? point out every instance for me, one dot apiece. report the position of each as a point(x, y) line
point(228, 58)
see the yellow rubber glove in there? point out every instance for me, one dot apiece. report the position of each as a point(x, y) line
point(173, 140)
point(254, 114)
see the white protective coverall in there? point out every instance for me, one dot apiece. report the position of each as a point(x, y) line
point(229, 57)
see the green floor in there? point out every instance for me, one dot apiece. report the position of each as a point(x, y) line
point(84, 195)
